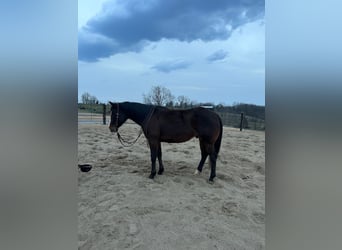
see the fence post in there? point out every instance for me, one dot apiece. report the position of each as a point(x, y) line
point(104, 114)
point(241, 122)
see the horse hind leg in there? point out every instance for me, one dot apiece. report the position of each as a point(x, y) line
point(204, 155)
point(208, 149)
point(161, 165)
point(213, 158)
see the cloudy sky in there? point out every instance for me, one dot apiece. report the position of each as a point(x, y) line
point(209, 51)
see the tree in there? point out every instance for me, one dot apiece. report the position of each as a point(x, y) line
point(89, 99)
point(183, 101)
point(85, 98)
point(159, 95)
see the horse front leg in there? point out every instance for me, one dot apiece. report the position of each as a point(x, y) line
point(161, 165)
point(154, 152)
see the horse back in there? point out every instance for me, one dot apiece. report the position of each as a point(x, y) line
point(182, 125)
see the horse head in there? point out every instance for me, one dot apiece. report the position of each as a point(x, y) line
point(117, 117)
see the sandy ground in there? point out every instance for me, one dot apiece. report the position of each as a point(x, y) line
point(120, 208)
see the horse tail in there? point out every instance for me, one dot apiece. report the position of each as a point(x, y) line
point(219, 139)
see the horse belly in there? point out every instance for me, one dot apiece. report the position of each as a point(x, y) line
point(173, 137)
point(176, 140)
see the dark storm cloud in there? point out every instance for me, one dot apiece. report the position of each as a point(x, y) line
point(217, 56)
point(92, 46)
point(168, 66)
point(124, 25)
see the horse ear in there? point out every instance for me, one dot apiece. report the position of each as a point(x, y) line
point(111, 103)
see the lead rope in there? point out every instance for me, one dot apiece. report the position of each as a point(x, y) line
point(127, 143)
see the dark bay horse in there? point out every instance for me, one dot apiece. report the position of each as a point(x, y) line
point(161, 124)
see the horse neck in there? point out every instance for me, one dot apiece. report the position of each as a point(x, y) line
point(136, 112)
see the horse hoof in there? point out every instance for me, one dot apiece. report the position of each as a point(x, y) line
point(151, 176)
point(211, 180)
point(160, 172)
point(197, 172)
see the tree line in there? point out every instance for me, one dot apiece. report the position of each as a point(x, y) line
point(162, 96)
point(89, 99)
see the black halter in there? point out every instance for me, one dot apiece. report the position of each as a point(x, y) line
point(124, 142)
